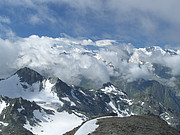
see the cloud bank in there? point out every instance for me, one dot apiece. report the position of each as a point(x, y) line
point(71, 59)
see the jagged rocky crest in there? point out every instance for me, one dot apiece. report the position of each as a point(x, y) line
point(16, 112)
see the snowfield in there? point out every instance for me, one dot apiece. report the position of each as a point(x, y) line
point(12, 87)
point(57, 124)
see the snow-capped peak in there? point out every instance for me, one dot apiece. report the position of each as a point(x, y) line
point(109, 88)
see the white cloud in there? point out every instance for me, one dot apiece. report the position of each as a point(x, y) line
point(8, 55)
point(173, 62)
point(68, 59)
point(5, 20)
point(61, 57)
point(136, 72)
point(34, 19)
point(5, 30)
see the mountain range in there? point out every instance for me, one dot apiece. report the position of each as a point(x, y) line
point(32, 102)
point(53, 97)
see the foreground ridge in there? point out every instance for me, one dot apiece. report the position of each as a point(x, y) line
point(133, 125)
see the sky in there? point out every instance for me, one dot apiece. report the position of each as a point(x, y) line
point(142, 23)
point(70, 39)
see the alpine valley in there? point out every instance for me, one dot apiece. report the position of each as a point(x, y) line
point(52, 86)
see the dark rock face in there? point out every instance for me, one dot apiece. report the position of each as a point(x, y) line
point(61, 88)
point(29, 76)
point(150, 105)
point(162, 71)
point(15, 130)
point(93, 102)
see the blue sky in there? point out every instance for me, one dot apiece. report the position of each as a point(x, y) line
point(143, 23)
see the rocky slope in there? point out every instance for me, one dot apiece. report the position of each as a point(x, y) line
point(133, 125)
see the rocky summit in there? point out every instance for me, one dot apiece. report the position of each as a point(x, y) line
point(133, 125)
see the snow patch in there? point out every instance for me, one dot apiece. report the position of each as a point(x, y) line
point(73, 95)
point(20, 109)
point(68, 100)
point(40, 115)
point(113, 107)
point(82, 92)
point(128, 101)
point(112, 90)
point(4, 116)
point(3, 123)
point(87, 128)
point(2, 106)
point(166, 116)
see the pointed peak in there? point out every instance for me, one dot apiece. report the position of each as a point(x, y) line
point(29, 75)
point(25, 69)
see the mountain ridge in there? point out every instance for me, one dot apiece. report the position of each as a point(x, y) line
point(85, 103)
point(147, 125)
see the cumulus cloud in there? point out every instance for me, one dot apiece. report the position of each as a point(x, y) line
point(173, 62)
point(72, 59)
point(135, 72)
point(8, 55)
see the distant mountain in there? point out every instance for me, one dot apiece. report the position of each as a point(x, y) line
point(160, 92)
point(45, 101)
